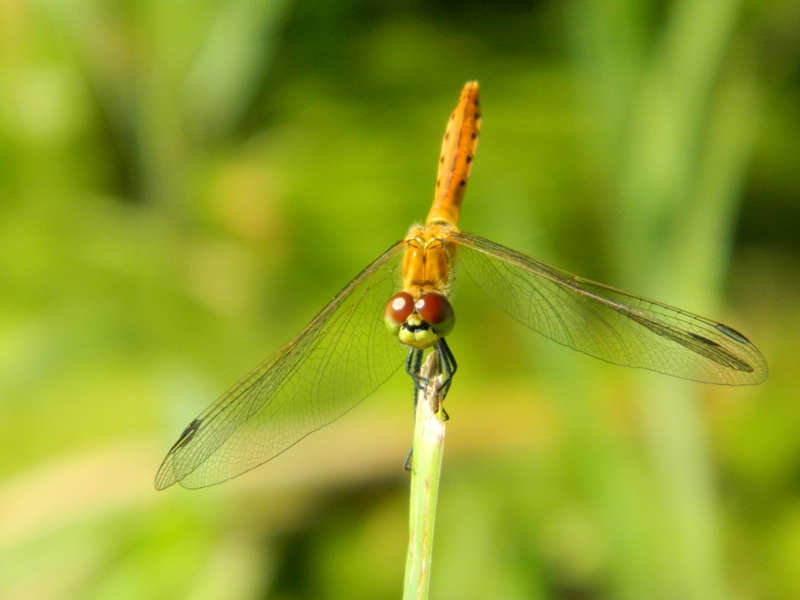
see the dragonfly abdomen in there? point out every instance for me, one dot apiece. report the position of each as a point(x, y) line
point(455, 162)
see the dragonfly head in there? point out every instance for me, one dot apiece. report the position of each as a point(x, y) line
point(419, 323)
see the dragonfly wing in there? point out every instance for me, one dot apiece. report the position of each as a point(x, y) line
point(606, 323)
point(341, 357)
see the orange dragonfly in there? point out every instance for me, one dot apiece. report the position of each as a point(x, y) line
point(345, 353)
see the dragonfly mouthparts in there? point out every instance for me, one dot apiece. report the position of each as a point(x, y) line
point(423, 326)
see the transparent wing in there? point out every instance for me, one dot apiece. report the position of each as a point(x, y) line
point(606, 323)
point(341, 357)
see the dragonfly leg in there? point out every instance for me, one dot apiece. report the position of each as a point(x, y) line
point(449, 365)
point(414, 368)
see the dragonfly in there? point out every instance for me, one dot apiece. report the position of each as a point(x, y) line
point(398, 309)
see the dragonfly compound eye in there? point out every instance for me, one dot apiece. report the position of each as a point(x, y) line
point(398, 309)
point(437, 312)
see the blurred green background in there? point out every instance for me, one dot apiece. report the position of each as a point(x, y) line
point(183, 185)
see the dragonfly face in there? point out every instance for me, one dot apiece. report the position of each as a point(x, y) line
point(419, 323)
point(345, 352)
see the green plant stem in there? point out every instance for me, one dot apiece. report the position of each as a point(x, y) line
point(429, 430)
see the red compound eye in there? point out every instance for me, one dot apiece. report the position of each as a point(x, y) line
point(437, 312)
point(397, 310)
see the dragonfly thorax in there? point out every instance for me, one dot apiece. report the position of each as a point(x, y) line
point(419, 323)
point(428, 259)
